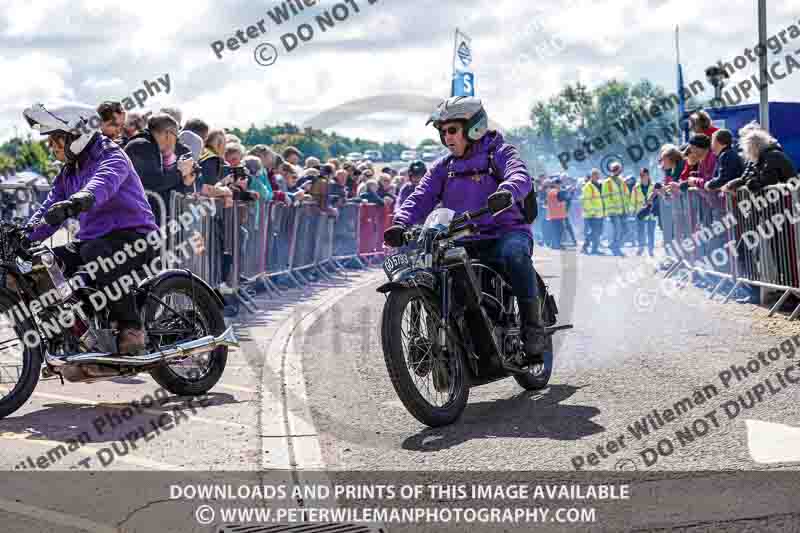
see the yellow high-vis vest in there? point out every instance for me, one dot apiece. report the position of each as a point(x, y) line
point(638, 199)
point(592, 201)
point(616, 197)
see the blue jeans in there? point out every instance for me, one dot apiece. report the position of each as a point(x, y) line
point(618, 222)
point(511, 254)
point(592, 230)
point(646, 233)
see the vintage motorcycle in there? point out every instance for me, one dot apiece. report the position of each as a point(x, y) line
point(450, 322)
point(51, 321)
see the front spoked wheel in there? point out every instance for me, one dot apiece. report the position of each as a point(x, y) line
point(429, 378)
point(20, 365)
point(179, 311)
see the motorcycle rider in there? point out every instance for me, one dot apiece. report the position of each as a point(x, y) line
point(99, 185)
point(463, 182)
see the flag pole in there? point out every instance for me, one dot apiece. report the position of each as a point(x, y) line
point(679, 82)
point(453, 63)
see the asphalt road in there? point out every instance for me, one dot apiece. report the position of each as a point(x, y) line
point(308, 391)
point(633, 350)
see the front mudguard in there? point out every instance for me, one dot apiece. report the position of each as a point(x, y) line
point(417, 277)
point(150, 283)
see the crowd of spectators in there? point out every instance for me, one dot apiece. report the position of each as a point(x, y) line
point(193, 157)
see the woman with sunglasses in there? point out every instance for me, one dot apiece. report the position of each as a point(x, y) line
point(481, 169)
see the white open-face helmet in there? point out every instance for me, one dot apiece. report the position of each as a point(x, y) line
point(467, 109)
point(78, 122)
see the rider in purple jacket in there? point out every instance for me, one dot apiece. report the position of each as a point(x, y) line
point(98, 185)
point(466, 181)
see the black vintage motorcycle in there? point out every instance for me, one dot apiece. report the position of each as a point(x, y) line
point(451, 323)
point(50, 326)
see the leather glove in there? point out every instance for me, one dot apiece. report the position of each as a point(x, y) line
point(61, 211)
point(394, 236)
point(500, 200)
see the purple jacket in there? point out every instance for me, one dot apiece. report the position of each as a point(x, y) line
point(468, 194)
point(103, 169)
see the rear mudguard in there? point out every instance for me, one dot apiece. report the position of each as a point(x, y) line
point(417, 277)
point(150, 283)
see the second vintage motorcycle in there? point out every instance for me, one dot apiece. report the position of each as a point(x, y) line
point(450, 322)
point(50, 327)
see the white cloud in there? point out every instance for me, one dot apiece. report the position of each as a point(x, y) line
point(88, 50)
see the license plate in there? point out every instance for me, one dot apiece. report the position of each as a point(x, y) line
point(395, 263)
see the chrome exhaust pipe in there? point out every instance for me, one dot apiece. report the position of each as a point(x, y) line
point(179, 351)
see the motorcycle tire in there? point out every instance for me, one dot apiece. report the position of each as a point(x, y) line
point(400, 374)
point(207, 306)
point(32, 358)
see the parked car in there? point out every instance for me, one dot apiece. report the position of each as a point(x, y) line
point(408, 155)
point(375, 155)
point(354, 157)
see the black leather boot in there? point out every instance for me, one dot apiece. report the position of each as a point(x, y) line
point(533, 335)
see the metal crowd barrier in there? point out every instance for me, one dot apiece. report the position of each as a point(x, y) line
point(346, 232)
point(236, 246)
point(372, 224)
point(758, 245)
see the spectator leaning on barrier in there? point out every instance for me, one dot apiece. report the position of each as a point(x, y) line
point(645, 220)
point(293, 192)
point(672, 163)
point(161, 161)
point(700, 154)
point(370, 194)
point(197, 126)
point(593, 213)
point(292, 156)
point(268, 158)
point(112, 116)
point(259, 183)
point(769, 164)
point(616, 199)
point(212, 167)
point(265, 177)
point(134, 125)
point(729, 163)
point(175, 113)
point(385, 189)
point(312, 162)
point(337, 189)
point(700, 122)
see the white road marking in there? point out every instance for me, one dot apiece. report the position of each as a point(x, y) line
point(769, 442)
point(234, 387)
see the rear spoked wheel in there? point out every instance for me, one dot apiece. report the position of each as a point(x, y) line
point(179, 311)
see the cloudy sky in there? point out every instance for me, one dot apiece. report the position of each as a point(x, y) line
point(90, 50)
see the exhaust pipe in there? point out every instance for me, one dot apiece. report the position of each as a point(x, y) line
point(179, 351)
